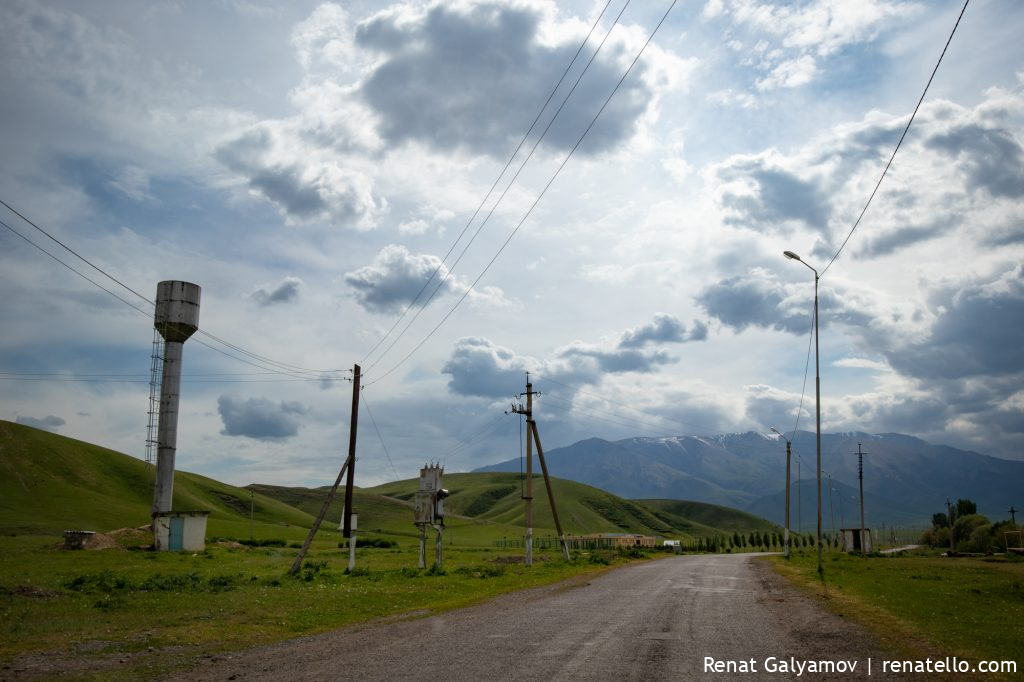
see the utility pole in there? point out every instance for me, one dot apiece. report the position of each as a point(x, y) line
point(789, 454)
point(347, 525)
point(349, 467)
point(533, 437)
point(949, 516)
point(1013, 512)
point(860, 475)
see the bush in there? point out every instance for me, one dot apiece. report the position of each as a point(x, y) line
point(270, 542)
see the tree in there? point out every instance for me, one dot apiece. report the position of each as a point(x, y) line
point(965, 507)
point(940, 520)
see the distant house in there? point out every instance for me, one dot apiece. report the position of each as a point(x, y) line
point(610, 541)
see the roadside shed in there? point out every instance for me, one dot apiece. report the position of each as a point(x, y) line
point(180, 531)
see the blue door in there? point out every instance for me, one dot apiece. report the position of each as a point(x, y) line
point(176, 540)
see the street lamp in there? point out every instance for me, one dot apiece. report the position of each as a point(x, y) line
point(817, 391)
point(789, 452)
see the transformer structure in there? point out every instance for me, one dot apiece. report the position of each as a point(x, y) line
point(429, 510)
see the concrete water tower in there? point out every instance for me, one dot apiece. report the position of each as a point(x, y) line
point(176, 319)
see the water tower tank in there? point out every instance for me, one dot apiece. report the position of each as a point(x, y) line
point(177, 310)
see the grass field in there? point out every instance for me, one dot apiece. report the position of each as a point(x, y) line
point(924, 604)
point(129, 613)
point(121, 614)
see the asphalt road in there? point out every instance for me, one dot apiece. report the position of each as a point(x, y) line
point(658, 620)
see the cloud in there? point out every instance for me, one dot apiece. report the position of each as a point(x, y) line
point(978, 331)
point(47, 423)
point(617, 360)
point(306, 184)
point(760, 299)
point(767, 406)
point(992, 157)
point(769, 197)
point(396, 277)
point(753, 300)
point(286, 291)
point(791, 41)
point(479, 367)
point(959, 162)
point(259, 418)
point(664, 328)
point(467, 75)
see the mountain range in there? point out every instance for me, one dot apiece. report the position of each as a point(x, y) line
point(906, 479)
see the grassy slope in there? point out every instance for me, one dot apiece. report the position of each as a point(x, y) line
point(708, 516)
point(50, 483)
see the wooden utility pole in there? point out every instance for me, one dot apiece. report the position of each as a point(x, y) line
point(347, 467)
point(347, 521)
point(533, 437)
point(528, 494)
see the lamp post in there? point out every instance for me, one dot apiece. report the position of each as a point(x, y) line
point(789, 453)
point(817, 392)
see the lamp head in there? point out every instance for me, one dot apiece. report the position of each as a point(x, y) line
point(790, 255)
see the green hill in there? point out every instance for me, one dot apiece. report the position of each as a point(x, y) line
point(683, 513)
point(50, 483)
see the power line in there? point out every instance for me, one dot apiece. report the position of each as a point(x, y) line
point(275, 366)
point(489, 192)
point(871, 197)
point(77, 272)
point(536, 201)
point(900, 142)
point(77, 255)
point(373, 421)
point(511, 182)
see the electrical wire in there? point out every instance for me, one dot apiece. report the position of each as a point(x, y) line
point(275, 366)
point(900, 142)
point(803, 389)
point(511, 182)
point(77, 272)
point(536, 201)
point(493, 187)
point(373, 421)
point(77, 255)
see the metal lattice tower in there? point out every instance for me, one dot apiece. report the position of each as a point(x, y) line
point(155, 374)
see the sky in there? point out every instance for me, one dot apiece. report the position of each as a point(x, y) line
point(606, 213)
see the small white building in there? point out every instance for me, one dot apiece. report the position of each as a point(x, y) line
point(180, 531)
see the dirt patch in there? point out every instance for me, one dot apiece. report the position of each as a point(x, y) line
point(32, 592)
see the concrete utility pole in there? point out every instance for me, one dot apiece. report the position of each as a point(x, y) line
point(533, 437)
point(1013, 514)
point(949, 516)
point(860, 475)
point(789, 454)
